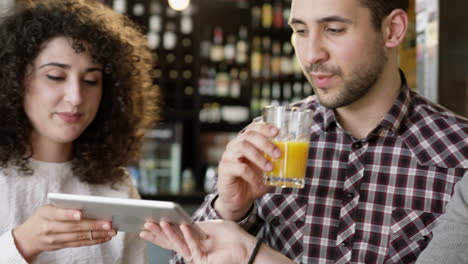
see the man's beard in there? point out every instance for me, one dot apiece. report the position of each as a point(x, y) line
point(363, 78)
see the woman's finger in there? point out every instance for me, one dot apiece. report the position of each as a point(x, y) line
point(72, 226)
point(83, 243)
point(63, 238)
point(51, 212)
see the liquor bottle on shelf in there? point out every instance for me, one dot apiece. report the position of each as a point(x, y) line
point(217, 48)
point(211, 89)
point(276, 93)
point(255, 103)
point(256, 57)
point(287, 93)
point(203, 82)
point(286, 14)
point(266, 95)
point(267, 14)
point(230, 49)
point(242, 46)
point(287, 59)
point(186, 24)
point(205, 44)
point(278, 18)
point(256, 12)
point(222, 81)
point(297, 91)
point(170, 36)
point(266, 57)
point(276, 59)
point(235, 83)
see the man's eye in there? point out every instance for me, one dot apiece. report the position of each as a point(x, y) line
point(335, 30)
point(55, 78)
point(299, 31)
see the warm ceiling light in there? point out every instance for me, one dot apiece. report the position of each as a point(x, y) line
point(179, 5)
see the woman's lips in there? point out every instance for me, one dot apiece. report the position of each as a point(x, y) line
point(70, 117)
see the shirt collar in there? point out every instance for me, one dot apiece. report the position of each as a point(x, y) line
point(399, 110)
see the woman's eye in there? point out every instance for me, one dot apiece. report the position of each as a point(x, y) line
point(55, 78)
point(90, 82)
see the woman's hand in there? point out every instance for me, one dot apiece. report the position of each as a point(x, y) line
point(52, 228)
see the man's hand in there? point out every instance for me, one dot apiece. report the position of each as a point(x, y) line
point(240, 172)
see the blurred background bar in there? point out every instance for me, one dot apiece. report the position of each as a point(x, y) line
point(218, 62)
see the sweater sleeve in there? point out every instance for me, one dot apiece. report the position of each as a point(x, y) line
point(450, 239)
point(10, 253)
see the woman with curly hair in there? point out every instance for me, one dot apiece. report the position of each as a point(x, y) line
point(76, 95)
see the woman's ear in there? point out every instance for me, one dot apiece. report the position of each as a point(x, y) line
point(395, 27)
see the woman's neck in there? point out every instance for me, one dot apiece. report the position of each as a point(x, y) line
point(45, 150)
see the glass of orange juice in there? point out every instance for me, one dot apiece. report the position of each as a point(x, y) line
point(295, 125)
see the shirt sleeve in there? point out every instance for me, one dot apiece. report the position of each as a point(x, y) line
point(10, 253)
point(450, 239)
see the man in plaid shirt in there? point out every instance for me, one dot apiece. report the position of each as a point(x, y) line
point(382, 162)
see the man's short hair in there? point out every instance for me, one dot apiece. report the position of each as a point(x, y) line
point(382, 8)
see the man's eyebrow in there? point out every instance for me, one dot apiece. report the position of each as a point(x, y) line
point(334, 19)
point(295, 21)
point(328, 19)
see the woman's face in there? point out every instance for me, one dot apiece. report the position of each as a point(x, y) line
point(63, 91)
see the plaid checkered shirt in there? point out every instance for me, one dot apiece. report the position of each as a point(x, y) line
point(373, 200)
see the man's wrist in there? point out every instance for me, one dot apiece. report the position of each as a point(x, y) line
point(233, 215)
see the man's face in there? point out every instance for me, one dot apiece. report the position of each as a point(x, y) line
point(338, 48)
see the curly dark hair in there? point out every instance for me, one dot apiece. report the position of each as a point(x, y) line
point(129, 101)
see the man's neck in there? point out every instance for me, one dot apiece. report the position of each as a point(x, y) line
point(362, 116)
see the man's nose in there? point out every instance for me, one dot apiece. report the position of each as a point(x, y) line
point(316, 52)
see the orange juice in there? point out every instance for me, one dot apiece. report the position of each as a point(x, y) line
point(291, 165)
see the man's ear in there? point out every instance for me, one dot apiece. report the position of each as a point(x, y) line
point(395, 26)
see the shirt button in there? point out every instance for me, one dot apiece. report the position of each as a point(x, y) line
point(350, 195)
point(357, 145)
point(345, 244)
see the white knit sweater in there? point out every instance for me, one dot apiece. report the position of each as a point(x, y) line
point(21, 196)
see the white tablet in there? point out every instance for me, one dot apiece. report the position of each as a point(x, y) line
point(127, 215)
